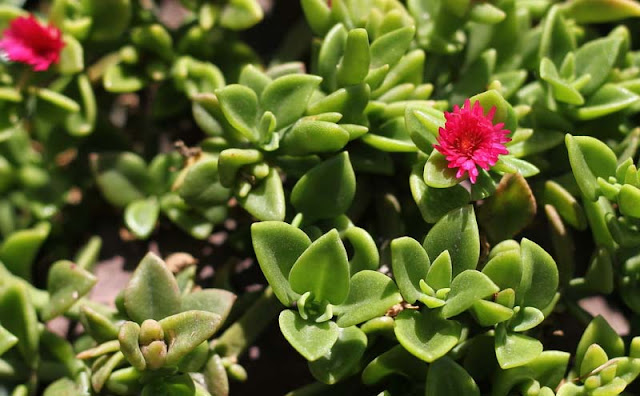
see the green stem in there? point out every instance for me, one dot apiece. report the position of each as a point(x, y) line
point(240, 335)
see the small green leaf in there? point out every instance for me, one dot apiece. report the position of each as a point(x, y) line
point(590, 158)
point(593, 358)
point(565, 203)
point(323, 270)
point(488, 313)
point(371, 294)
point(410, 264)
point(396, 360)
point(513, 350)
point(241, 14)
point(509, 210)
point(505, 270)
point(66, 284)
point(121, 78)
point(467, 288)
point(446, 377)
point(128, 337)
point(152, 292)
point(526, 318)
point(278, 246)
point(266, 201)
point(122, 177)
point(441, 272)
point(239, 105)
point(312, 340)
point(601, 333)
point(425, 335)
point(327, 190)
point(601, 11)
point(540, 276)
point(355, 59)
point(217, 301)
point(596, 58)
point(186, 330)
point(7, 340)
point(100, 327)
point(390, 47)
point(18, 316)
point(456, 232)
point(201, 186)
point(343, 358)
point(19, 250)
point(141, 216)
point(435, 202)
point(628, 201)
point(437, 173)
point(287, 97)
point(607, 100)
point(310, 137)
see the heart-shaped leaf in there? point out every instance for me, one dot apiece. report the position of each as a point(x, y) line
point(217, 301)
point(19, 250)
point(312, 340)
point(426, 335)
point(287, 97)
point(323, 270)
point(540, 276)
point(278, 246)
point(601, 333)
point(266, 201)
point(152, 292)
point(239, 105)
point(410, 264)
point(456, 232)
point(327, 190)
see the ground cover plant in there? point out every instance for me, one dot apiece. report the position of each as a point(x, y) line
point(319, 197)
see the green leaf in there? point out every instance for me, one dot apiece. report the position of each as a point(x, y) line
point(607, 100)
point(596, 58)
point(467, 288)
point(599, 332)
point(190, 221)
point(7, 340)
point(526, 318)
point(311, 340)
point(504, 111)
point(590, 158)
point(100, 327)
point(152, 292)
point(396, 360)
point(423, 124)
point(435, 202)
point(437, 173)
point(628, 199)
point(217, 301)
point(371, 294)
point(323, 270)
point(327, 190)
point(505, 270)
point(318, 15)
point(129, 340)
point(215, 377)
point(343, 358)
point(71, 56)
point(186, 330)
point(540, 276)
point(557, 38)
point(310, 137)
point(509, 210)
point(19, 250)
point(354, 66)
point(141, 216)
point(201, 186)
point(593, 358)
point(239, 105)
point(121, 78)
point(456, 232)
point(18, 316)
point(440, 273)
point(66, 284)
point(601, 11)
point(287, 97)
point(232, 160)
point(241, 14)
point(266, 201)
point(425, 335)
point(513, 350)
point(562, 90)
point(122, 177)
point(410, 264)
point(446, 377)
point(565, 203)
point(278, 246)
point(365, 252)
point(488, 313)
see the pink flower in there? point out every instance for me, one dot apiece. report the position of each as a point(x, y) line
point(27, 41)
point(470, 139)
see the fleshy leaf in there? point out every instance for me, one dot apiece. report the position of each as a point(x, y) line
point(467, 288)
point(343, 358)
point(312, 340)
point(426, 335)
point(66, 284)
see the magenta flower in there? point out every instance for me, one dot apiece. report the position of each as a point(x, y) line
point(28, 41)
point(470, 139)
